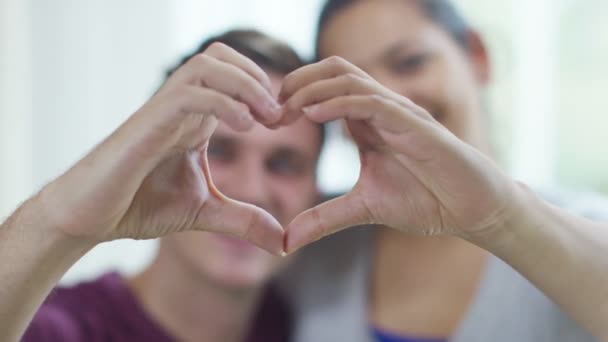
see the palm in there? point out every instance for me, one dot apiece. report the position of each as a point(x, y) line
point(179, 195)
point(394, 197)
point(427, 192)
point(169, 200)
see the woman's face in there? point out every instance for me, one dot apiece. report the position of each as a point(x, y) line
point(395, 42)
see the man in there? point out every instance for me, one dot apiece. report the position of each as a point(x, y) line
point(201, 286)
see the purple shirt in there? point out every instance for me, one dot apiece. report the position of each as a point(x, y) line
point(106, 310)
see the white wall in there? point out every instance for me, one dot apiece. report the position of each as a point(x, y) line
point(16, 144)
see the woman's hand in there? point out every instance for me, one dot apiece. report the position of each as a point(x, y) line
point(415, 176)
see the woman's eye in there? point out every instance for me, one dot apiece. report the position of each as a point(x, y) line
point(411, 64)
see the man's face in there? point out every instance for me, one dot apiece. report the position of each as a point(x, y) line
point(272, 169)
point(398, 45)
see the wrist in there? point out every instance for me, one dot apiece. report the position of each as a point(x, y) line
point(49, 217)
point(514, 221)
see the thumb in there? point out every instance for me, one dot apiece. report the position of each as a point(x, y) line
point(224, 215)
point(325, 219)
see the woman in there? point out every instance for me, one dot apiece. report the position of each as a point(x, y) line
point(382, 285)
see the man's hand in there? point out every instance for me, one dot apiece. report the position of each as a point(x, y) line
point(151, 176)
point(148, 179)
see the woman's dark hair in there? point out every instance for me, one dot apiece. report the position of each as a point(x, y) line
point(442, 12)
point(265, 51)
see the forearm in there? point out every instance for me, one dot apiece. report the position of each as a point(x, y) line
point(34, 256)
point(564, 255)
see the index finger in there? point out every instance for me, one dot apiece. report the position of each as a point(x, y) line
point(325, 69)
point(229, 55)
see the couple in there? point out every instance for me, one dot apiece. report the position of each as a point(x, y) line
point(409, 87)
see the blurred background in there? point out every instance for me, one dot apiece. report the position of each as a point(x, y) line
point(71, 71)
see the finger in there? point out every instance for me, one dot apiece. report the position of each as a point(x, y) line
point(229, 55)
point(209, 72)
point(326, 89)
point(243, 220)
point(325, 219)
point(325, 69)
point(381, 112)
point(207, 101)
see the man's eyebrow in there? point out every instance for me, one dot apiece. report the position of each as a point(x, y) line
point(288, 151)
point(223, 139)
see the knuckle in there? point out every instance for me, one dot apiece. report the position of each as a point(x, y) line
point(216, 47)
point(181, 96)
point(200, 59)
point(350, 78)
point(246, 91)
point(231, 106)
point(288, 82)
point(337, 65)
point(335, 61)
point(180, 93)
point(376, 100)
point(351, 82)
point(215, 99)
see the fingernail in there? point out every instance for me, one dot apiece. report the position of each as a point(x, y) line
point(274, 107)
point(273, 104)
point(310, 109)
point(283, 254)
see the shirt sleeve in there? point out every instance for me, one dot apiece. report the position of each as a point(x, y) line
point(52, 323)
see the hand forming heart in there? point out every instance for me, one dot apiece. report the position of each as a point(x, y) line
point(149, 178)
point(415, 176)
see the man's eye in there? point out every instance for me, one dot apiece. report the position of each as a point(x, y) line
point(285, 166)
point(219, 152)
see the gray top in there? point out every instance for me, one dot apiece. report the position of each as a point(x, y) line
point(327, 286)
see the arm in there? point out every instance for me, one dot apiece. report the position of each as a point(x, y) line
point(562, 254)
point(148, 179)
point(419, 178)
point(34, 256)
